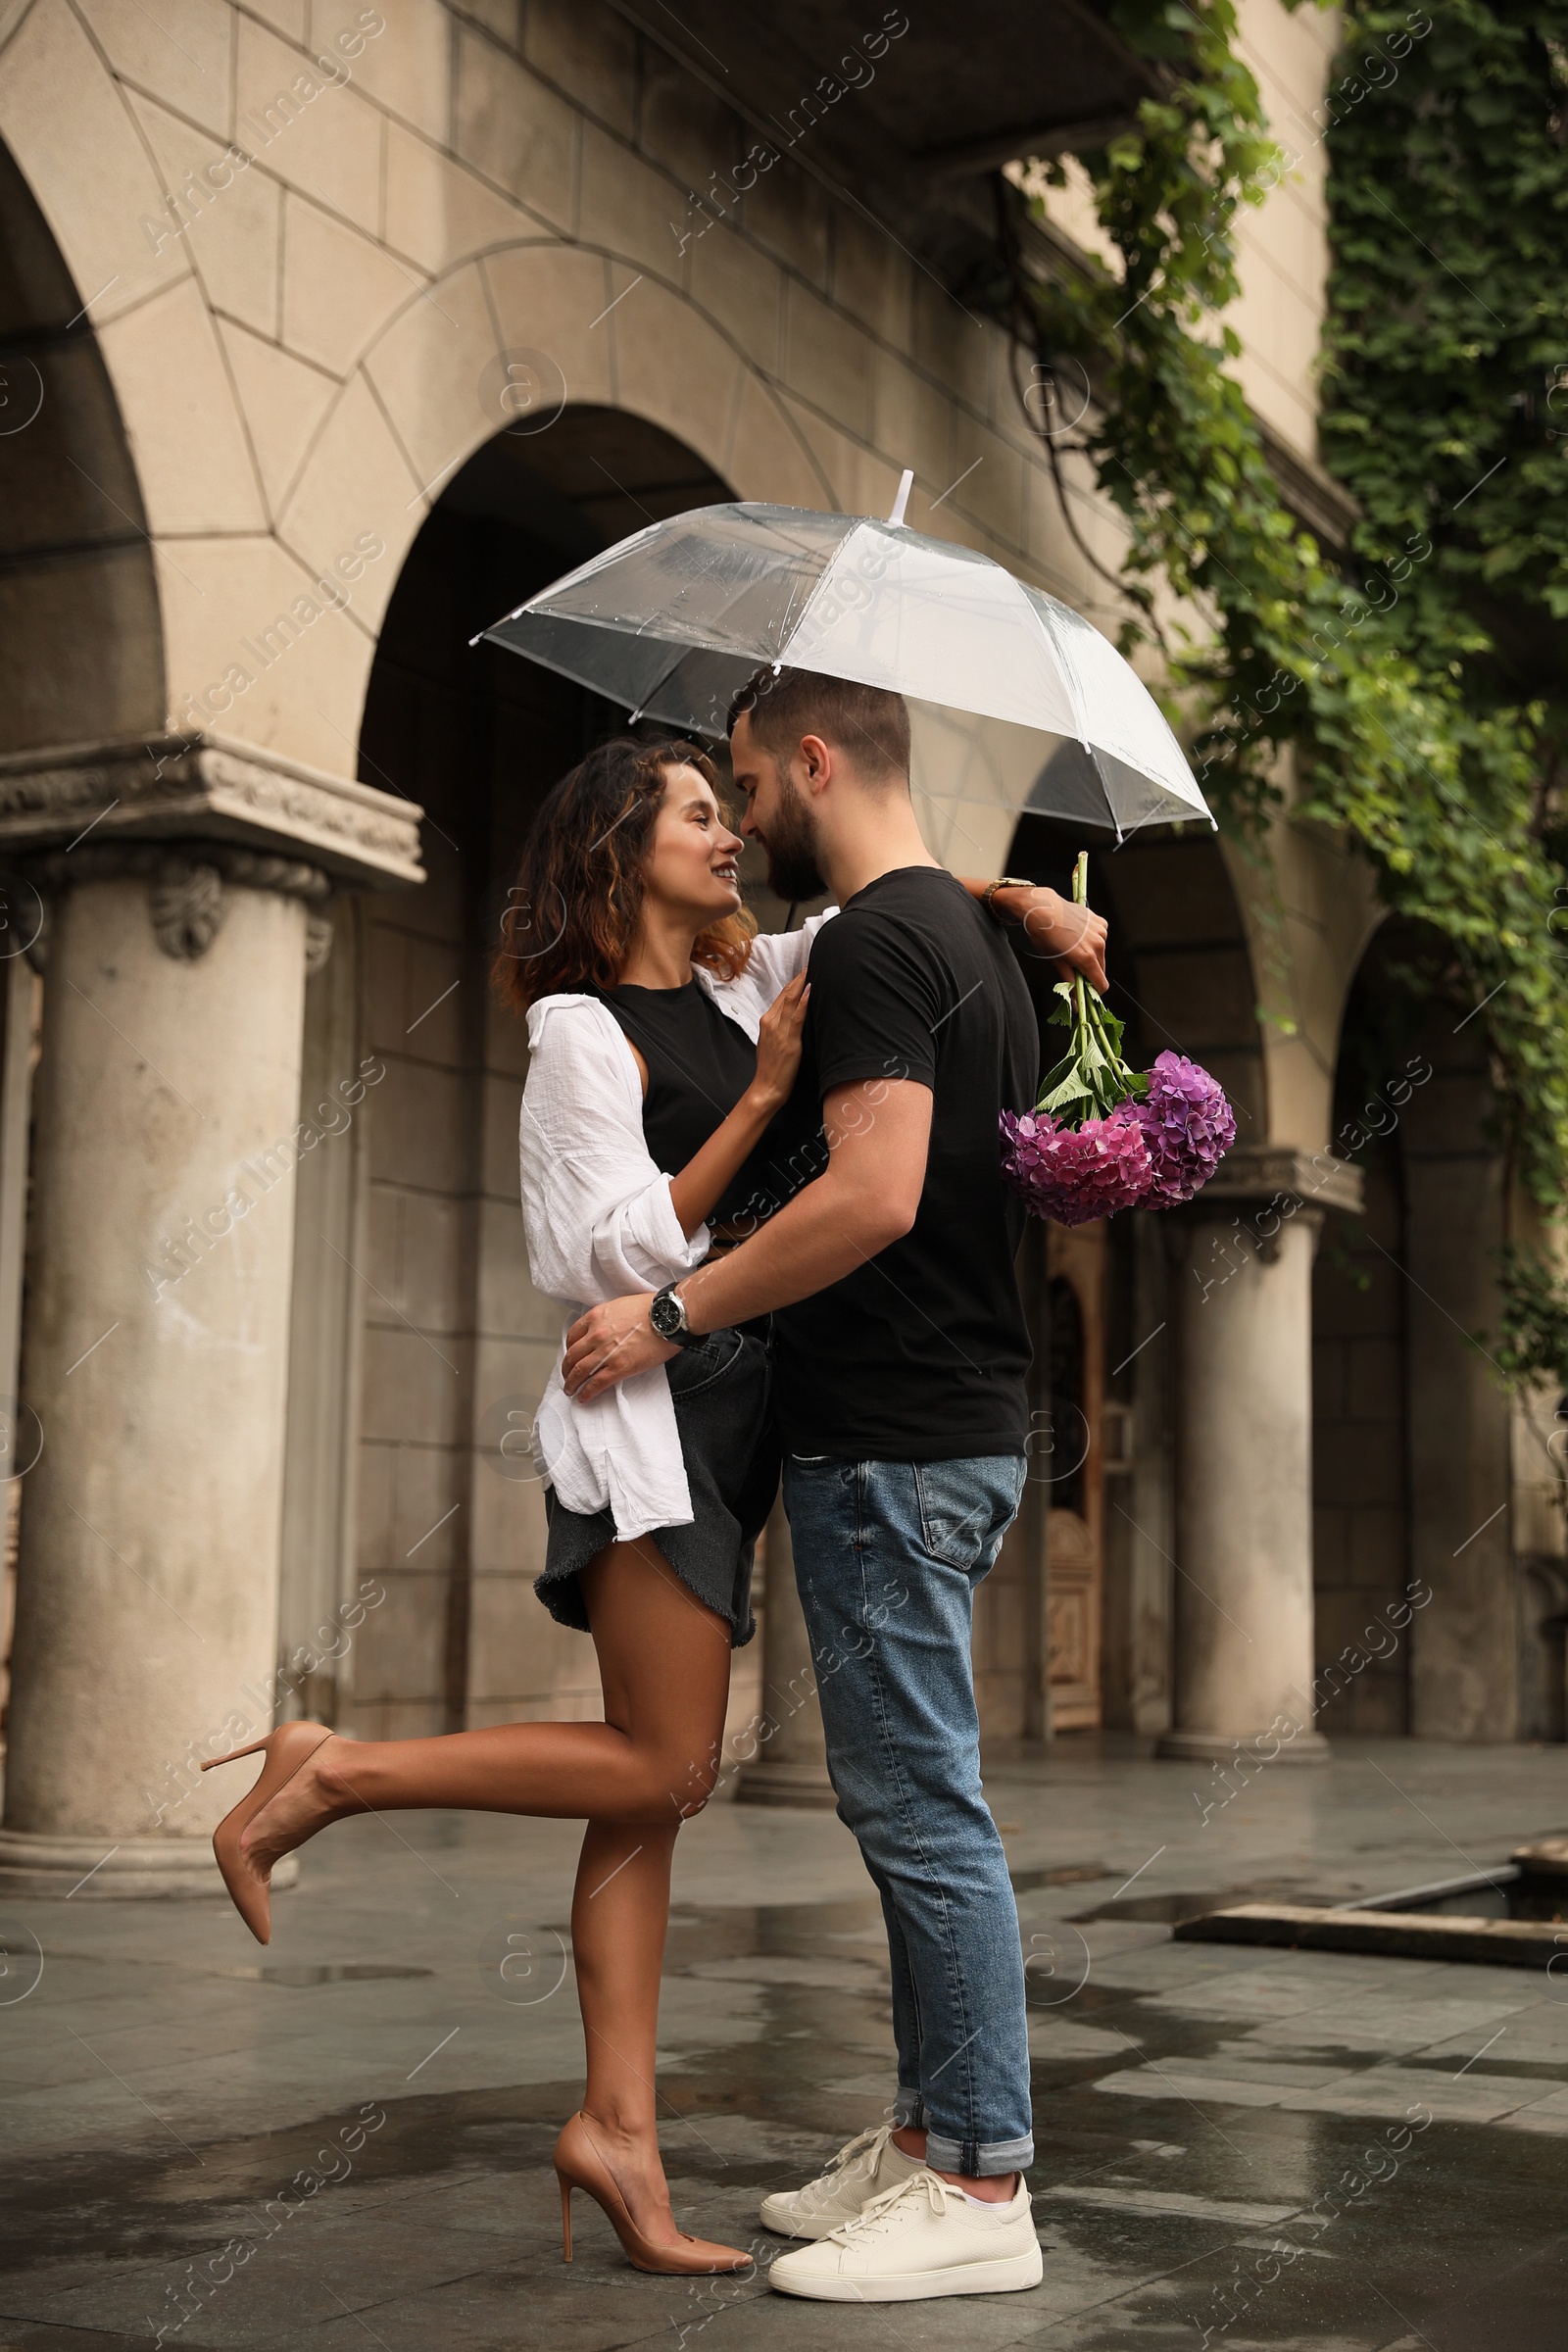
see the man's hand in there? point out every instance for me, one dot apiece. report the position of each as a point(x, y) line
point(609, 1343)
point(1074, 936)
point(878, 1133)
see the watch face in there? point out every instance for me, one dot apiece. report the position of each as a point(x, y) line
point(665, 1316)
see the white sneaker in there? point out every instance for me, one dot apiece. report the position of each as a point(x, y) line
point(922, 2239)
point(863, 2167)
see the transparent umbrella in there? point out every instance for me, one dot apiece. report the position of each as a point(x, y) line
point(1017, 703)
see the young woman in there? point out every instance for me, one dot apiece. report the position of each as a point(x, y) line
point(663, 1034)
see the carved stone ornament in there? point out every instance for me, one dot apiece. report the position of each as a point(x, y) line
point(319, 938)
point(206, 789)
point(185, 889)
point(185, 900)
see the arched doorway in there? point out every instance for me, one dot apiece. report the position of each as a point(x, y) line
point(80, 624)
point(1442, 1587)
point(412, 1278)
point(78, 597)
point(1361, 1361)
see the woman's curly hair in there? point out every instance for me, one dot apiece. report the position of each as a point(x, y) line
point(572, 915)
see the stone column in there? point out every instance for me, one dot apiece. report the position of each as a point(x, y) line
point(1243, 1310)
point(1464, 1541)
point(790, 1767)
point(156, 1351)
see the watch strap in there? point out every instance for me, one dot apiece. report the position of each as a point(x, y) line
point(1002, 882)
point(681, 1336)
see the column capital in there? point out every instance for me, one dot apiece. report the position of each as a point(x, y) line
point(184, 788)
point(1253, 1173)
point(185, 880)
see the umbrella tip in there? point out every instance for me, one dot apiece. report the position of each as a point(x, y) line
point(906, 485)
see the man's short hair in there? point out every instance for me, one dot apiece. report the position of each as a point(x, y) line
point(866, 722)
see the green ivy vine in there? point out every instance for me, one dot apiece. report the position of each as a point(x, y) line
point(1423, 690)
point(1531, 1347)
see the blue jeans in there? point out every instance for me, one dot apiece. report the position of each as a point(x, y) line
point(887, 1558)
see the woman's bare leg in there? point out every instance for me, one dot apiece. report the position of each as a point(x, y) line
point(620, 1907)
point(663, 1664)
point(654, 1758)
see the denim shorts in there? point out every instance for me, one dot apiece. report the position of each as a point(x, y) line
point(722, 1391)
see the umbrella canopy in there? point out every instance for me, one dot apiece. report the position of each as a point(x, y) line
point(672, 621)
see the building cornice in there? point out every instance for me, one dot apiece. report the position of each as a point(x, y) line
point(210, 787)
point(1253, 1173)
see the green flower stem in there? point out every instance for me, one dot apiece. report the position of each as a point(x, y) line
point(1092, 1079)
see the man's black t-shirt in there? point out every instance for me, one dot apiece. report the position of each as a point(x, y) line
point(919, 1355)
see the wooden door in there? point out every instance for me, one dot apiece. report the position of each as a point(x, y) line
point(1075, 1331)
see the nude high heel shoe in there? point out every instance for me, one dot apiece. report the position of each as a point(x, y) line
point(286, 1750)
point(580, 2164)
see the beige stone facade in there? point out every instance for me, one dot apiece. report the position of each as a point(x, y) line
point(350, 327)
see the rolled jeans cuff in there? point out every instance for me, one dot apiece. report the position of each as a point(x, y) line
point(909, 2111)
point(978, 2160)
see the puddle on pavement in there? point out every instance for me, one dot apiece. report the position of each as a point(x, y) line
point(349, 1972)
point(1066, 1874)
point(806, 1929)
point(327, 1971)
point(791, 1931)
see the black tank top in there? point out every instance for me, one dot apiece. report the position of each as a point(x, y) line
point(700, 1063)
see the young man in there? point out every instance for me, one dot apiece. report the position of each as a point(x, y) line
point(902, 1354)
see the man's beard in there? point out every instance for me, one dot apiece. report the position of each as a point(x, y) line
point(793, 871)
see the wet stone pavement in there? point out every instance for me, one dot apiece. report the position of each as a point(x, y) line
point(345, 2140)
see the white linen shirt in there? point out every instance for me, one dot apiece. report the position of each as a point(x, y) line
point(600, 1223)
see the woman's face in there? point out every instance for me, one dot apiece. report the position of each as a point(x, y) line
point(691, 866)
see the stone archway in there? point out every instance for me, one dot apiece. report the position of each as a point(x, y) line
point(438, 384)
point(81, 625)
point(175, 940)
point(78, 596)
point(1441, 1576)
point(430, 1267)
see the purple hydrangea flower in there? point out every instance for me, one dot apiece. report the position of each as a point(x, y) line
point(1188, 1126)
point(1075, 1174)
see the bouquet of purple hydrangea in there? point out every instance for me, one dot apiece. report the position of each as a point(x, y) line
point(1102, 1137)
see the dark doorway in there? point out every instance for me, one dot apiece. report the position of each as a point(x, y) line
point(448, 1326)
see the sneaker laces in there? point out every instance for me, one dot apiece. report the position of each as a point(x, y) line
point(939, 2194)
point(868, 2144)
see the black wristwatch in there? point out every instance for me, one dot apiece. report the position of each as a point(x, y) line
point(668, 1318)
